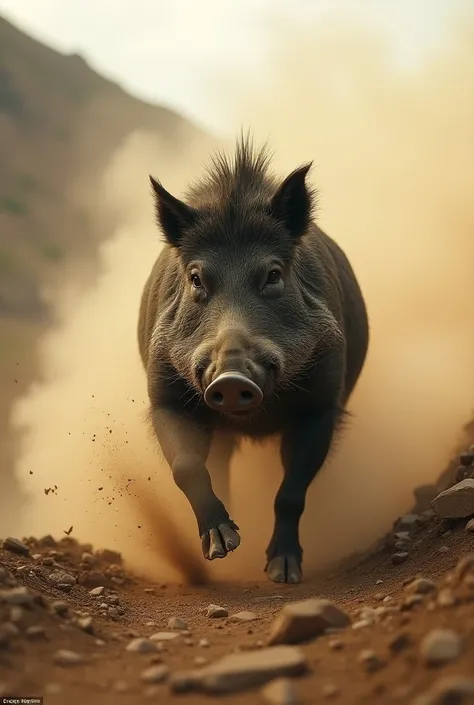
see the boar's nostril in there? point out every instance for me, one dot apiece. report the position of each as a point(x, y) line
point(233, 392)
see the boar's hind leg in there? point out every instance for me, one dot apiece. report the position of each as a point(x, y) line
point(305, 445)
point(185, 446)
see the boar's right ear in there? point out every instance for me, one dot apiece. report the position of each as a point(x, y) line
point(292, 202)
point(173, 216)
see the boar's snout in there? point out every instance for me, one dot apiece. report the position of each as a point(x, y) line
point(233, 392)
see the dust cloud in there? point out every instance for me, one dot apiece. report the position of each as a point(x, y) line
point(393, 164)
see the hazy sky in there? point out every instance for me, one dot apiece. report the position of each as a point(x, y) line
point(169, 50)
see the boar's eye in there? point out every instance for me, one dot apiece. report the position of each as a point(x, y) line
point(196, 281)
point(274, 276)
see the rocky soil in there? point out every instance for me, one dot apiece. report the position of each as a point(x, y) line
point(393, 626)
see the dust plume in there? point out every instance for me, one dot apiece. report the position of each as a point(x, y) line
point(393, 164)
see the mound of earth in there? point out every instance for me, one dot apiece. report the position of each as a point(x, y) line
point(394, 626)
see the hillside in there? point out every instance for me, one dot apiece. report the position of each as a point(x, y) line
point(59, 120)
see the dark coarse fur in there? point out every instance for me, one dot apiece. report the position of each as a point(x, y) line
point(308, 338)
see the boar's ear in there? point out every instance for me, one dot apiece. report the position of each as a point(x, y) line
point(292, 202)
point(173, 216)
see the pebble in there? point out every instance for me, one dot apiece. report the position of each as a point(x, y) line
point(16, 546)
point(470, 526)
point(60, 577)
point(200, 661)
point(243, 617)
point(400, 642)
point(17, 614)
point(305, 620)
point(244, 670)
point(281, 691)
point(155, 674)
point(35, 631)
point(369, 659)
point(92, 579)
point(440, 646)
point(177, 624)
point(96, 592)
point(446, 598)
point(443, 549)
point(141, 646)
point(464, 567)
point(421, 586)
point(86, 624)
point(204, 643)
point(59, 607)
point(330, 691)
point(20, 596)
point(164, 636)
point(65, 657)
point(216, 612)
point(399, 557)
point(449, 690)
point(411, 601)
point(408, 522)
point(457, 502)
point(336, 644)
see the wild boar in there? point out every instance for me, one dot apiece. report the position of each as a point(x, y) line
point(252, 323)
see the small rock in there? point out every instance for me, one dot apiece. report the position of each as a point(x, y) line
point(421, 586)
point(243, 617)
point(440, 646)
point(204, 643)
point(330, 691)
point(88, 558)
point(443, 549)
point(411, 601)
point(108, 556)
point(17, 614)
point(141, 646)
point(400, 642)
point(362, 624)
point(177, 624)
point(470, 526)
point(241, 671)
point(281, 691)
point(369, 659)
point(60, 607)
point(399, 557)
point(216, 612)
point(446, 598)
point(60, 577)
point(20, 596)
point(305, 620)
point(16, 546)
point(464, 567)
point(86, 624)
point(164, 636)
point(449, 690)
point(96, 592)
point(36, 631)
point(65, 657)
point(408, 522)
point(336, 644)
point(155, 674)
point(149, 591)
point(456, 502)
point(200, 661)
point(92, 579)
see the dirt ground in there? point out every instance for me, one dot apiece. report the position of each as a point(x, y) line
point(57, 611)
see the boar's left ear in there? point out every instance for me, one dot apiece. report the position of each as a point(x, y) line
point(292, 202)
point(174, 216)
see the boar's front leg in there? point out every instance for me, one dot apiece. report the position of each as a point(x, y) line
point(185, 446)
point(304, 447)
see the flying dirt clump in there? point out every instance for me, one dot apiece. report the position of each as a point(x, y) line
point(393, 167)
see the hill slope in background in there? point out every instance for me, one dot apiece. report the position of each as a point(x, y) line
point(59, 121)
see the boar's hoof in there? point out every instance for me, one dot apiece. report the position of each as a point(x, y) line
point(217, 543)
point(284, 569)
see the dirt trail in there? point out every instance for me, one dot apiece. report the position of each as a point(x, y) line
point(98, 628)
